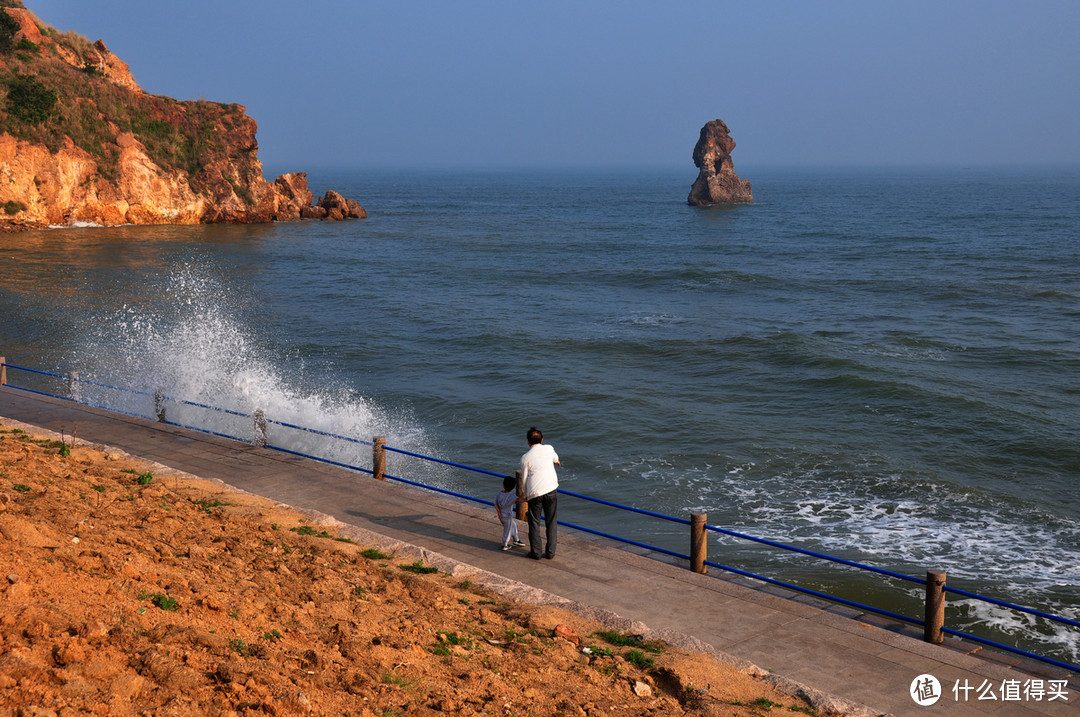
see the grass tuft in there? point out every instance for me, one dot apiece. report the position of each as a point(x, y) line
point(419, 567)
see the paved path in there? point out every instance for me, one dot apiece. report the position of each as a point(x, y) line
point(833, 649)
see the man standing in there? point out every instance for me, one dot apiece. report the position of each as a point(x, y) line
point(540, 483)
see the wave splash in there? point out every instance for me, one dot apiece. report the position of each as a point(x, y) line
point(195, 350)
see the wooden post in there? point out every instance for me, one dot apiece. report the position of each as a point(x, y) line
point(378, 458)
point(935, 607)
point(159, 406)
point(522, 508)
point(73, 385)
point(260, 427)
point(698, 545)
point(3, 371)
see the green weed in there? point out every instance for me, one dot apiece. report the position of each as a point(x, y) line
point(638, 659)
point(390, 677)
point(145, 478)
point(419, 567)
point(375, 554)
point(207, 505)
point(309, 530)
point(163, 601)
point(620, 640)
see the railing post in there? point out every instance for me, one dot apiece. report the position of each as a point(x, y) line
point(159, 406)
point(378, 458)
point(73, 385)
point(3, 371)
point(522, 508)
point(698, 545)
point(259, 419)
point(935, 607)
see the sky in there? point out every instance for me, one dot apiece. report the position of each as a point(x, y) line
point(400, 83)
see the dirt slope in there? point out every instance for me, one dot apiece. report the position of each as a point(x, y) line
point(127, 590)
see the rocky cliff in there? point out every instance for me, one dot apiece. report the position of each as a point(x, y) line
point(717, 182)
point(80, 142)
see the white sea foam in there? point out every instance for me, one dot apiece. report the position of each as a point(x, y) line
point(200, 354)
point(988, 545)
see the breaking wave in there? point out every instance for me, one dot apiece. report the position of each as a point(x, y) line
point(200, 355)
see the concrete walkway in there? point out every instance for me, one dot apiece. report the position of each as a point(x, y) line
point(836, 650)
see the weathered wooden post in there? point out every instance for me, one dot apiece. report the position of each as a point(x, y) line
point(698, 545)
point(3, 371)
point(261, 436)
point(522, 508)
point(935, 607)
point(73, 385)
point(159, 406)
point(378, 458)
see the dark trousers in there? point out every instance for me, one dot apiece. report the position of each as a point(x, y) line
point(547, 504)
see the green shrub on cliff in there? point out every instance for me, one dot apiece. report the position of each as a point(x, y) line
point(29, 99)
point(8, 28)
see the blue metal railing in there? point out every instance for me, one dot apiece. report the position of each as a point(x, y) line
point(159, 397)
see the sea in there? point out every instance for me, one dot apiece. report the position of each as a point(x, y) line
point(881, 365)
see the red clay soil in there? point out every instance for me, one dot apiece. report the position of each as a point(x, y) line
point(125, 592)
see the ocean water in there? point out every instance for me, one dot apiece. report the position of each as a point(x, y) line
point(880, 365)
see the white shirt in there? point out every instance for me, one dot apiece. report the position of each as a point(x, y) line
point(538, 471)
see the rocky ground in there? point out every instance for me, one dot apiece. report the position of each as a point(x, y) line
point(126, 589)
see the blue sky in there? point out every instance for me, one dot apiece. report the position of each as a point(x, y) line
point(370, 84)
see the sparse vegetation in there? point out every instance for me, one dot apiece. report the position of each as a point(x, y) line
point(620, 640)
point(419, 567)
point(161, 600)
point(637, 658)
point(207, 505)
point(374, 554)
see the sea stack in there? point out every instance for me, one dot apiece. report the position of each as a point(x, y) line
point(717, 182)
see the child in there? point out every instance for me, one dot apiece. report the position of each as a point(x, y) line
point(504, 508)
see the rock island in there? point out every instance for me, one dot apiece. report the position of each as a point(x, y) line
point(717, 182)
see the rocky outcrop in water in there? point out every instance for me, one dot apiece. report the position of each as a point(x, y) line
point(81, 143)
point(717, 182)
